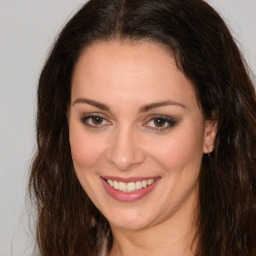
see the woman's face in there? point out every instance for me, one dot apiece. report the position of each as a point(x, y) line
point(137, 134)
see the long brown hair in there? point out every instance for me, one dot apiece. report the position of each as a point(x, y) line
point(68, 223)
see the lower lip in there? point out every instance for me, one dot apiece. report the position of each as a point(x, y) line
point(128, 196)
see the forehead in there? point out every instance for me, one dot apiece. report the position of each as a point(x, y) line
point(143, 70)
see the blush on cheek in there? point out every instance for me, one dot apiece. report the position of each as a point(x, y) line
point(178, 151)
point(85, 150)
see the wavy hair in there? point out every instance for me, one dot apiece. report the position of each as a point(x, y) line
point(68, 224)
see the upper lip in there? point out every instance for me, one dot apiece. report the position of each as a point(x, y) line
point(127, 180)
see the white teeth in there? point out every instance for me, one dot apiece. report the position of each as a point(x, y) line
point(131, 186)
point(151, 181)
point(115, 184)
point(110, 182)
point(138, 185)
point(144, 183)
point(122, 186)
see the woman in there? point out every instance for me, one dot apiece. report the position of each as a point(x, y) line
point(146, 135)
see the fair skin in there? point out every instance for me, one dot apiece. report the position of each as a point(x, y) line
point(133, 119)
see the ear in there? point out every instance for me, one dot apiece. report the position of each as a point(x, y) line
point(210, 132)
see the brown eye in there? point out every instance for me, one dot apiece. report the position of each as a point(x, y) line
point(97, 120)
point(159, 122)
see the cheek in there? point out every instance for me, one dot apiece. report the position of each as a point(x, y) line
point(183, 148)
point(86, 149)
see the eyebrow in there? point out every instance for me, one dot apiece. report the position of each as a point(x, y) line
point(145, 108)
point(92, 103)
point(160, 104)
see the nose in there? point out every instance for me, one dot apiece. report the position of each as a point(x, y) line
point(125, 151)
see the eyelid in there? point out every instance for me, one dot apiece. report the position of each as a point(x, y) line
point(86, 117)
point(168, 119)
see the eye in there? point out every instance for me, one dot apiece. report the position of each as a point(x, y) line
point(94, 121)
point(160, 123)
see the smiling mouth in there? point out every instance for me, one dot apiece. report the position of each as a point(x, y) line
point(130, 186)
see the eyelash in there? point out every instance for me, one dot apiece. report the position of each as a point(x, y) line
point(169, 122)
point(89, 117)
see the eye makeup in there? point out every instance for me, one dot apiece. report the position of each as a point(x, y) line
point(160, 122)
point(155, 122)
point(95, 120)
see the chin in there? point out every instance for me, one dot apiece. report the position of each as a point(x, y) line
point(129, 220)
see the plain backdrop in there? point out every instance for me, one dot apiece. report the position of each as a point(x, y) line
point(27, 30)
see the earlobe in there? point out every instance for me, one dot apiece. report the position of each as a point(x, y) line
point(209, 136)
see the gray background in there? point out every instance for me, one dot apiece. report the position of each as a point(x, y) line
point(27, 29)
